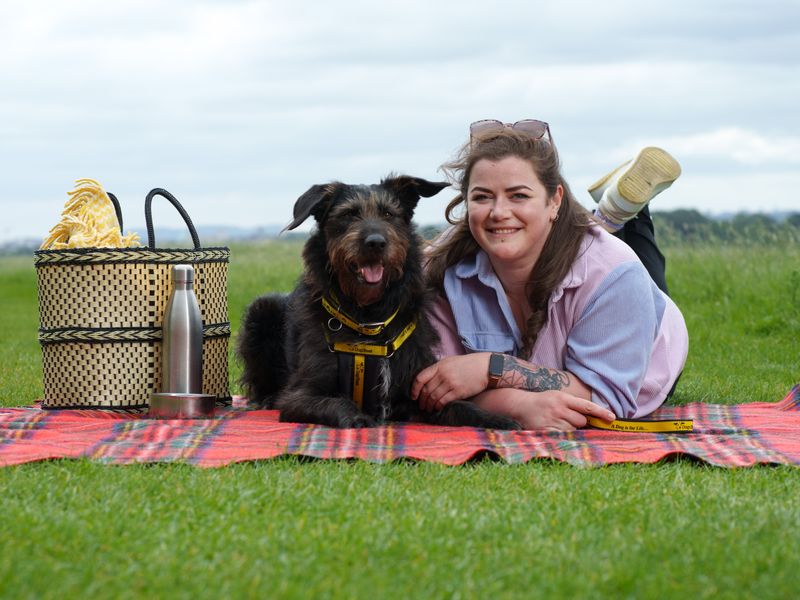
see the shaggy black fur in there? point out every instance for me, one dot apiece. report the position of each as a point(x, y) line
point(367, 252)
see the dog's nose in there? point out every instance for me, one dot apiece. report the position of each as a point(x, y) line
point(375, 241)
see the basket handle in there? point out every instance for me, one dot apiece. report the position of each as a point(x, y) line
point(117, 209)
point(148, 217)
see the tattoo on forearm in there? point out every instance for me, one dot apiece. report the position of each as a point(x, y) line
point(531, 377)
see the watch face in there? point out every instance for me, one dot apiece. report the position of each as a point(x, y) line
point(496, 363)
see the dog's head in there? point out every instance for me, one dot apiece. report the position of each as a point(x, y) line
point(366, 230)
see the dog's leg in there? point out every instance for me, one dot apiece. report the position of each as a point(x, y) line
point(303, 406)
point(261, 349)
point(463, 413)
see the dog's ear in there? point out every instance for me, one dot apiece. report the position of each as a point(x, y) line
point(410, 189)
point(315, 201)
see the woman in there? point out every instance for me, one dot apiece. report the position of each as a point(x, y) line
point(543, 316)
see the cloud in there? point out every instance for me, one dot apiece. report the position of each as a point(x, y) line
point(247, 103)
point(731, 144)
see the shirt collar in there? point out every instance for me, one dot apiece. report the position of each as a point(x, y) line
point(479, 265)
point(476, 265)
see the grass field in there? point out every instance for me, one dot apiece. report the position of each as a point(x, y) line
point(294, 528)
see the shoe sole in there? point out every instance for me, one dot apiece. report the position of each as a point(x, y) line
point(652, 171)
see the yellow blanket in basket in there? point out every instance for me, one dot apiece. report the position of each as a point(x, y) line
point(88, 221)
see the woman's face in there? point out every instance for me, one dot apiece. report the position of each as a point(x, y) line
point(509, 211)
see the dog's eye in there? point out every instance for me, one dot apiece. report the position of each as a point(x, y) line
point(349, 212)
point(388, 214)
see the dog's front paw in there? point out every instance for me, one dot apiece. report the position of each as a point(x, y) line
point(263, 403)
point(357, 422)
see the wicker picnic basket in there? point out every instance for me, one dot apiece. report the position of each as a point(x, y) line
point(100, 314)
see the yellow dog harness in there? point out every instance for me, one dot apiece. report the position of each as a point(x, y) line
point(358, 369)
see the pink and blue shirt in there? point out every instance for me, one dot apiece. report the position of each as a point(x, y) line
point(607, 323)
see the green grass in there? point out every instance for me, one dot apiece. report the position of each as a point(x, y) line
point(302, 528)
point(742, 309)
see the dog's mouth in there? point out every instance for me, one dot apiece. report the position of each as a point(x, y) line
point(371, 274)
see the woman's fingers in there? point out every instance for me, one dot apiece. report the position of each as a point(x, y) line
point(575, 419)
point(445, 399)
point(431, 394)
point(444, 379)
point(587, 407)
point(600, 412)
point(423, 377)
point(574, 412)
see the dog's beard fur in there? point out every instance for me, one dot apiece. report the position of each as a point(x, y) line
point(353, 262)
point(348, 262)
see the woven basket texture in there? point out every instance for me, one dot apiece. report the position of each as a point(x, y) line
point(100, 316)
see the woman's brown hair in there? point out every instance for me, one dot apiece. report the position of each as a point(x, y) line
point(563, 242)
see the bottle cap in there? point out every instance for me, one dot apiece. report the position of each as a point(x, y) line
point(183, 273)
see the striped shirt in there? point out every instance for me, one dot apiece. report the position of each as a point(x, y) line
point(607, 323)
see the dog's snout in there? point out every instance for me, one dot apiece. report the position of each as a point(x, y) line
point(375, 241)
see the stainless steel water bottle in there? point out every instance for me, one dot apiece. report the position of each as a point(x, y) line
point(182, 347)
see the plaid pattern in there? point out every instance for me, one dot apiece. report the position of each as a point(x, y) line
point(724, 435)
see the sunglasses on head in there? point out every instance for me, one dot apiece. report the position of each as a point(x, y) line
point(534, 128)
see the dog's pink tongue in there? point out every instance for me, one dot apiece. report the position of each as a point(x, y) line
point(372, 273)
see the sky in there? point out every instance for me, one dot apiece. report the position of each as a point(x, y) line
point(238, 107)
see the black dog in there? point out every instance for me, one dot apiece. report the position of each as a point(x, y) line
point(344, 347)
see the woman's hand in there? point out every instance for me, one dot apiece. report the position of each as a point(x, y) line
point(452, 378)
point(555, 410)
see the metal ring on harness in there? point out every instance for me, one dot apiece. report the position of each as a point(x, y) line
point(331, 324)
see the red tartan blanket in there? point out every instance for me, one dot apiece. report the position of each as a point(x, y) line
point(724, 435)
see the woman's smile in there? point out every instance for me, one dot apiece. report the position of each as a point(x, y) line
point(503, 231)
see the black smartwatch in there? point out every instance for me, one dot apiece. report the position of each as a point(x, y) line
point(496, 364)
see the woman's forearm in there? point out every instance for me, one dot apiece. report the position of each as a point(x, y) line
point(523, 375)
point(499, 402)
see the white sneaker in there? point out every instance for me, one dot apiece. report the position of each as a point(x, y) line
point(626, 190)
point(601, 185)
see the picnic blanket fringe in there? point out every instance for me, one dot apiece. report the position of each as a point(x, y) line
point(740, 435)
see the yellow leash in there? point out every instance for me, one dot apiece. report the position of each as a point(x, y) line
point(666, 426)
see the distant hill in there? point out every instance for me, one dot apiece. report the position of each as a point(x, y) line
point(208, 234)
point(216, 235)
